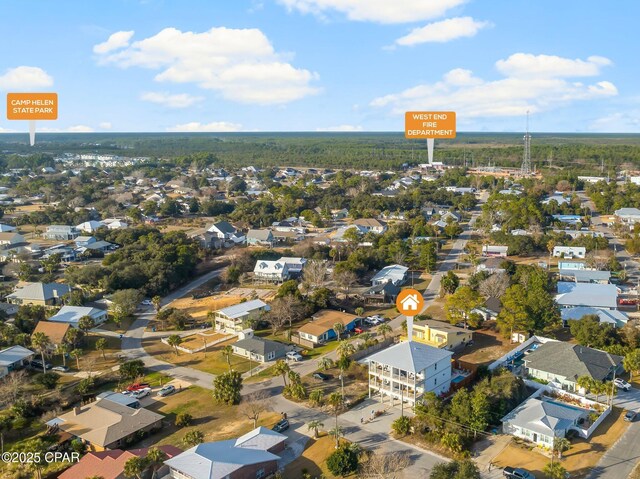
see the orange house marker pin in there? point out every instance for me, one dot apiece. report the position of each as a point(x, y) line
point(410, 302)
point(32, 107)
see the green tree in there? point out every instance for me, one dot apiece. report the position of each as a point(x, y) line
point(343, 461)
point(157, 303)
point(325, 363)
point(131, 370)
point(316, 397)
point(449, 282)
point(174, 341)
point(227, 388)
point(314, 425)
point(184, 419)
point(589, 332)
point(560, 445)
point(339, 329)
point(124, 304)
point(41, 343)
point(401, 426)
point(480, 412)
point(336, 403)
point(134, 467)
point(155, 459)
point(384, 329)
point(101, 345)
point(459, 307)
point(227, 351)
point(554, 470)
point(465, 469)
point(632, 362)
point(193, 438)
point(63, 349)
point(77, 354)
point(282, 368)
point(85, 323)
point(514, 315)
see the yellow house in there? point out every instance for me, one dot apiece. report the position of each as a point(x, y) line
point(440, 334)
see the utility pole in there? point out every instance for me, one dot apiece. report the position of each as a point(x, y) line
point(525, 170)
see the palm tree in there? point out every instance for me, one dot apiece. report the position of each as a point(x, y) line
point(560, 444)
point(76, 354)
point(73, 336)
point(155, 458)
point(134, 467)
point(339, 329)
point(101, 345)
point(336, 402)
point(62, 349)
point(360, 311)
point(345, 349)
point(193, 438)
point(85, 323)
point(315, 425)
point(227, 351)
point(174, 341)
point(586, 383)
point(282, 368)
point(41, 343)
point(157, 303)
point(384, 329)
point(325, 363)
point(336, 433)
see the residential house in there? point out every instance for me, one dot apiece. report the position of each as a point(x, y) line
point(71, 315)
point(84, 241)
point(585, 276)
point(115, 223)
point(371, 225)
point(382, 293)
point(440, 334)
point(90, 226)
point(207, 240)
point(558, 198)
point(614, 317)
point(587, 294)
point(104, 424)
point(567, 265)
point(563, 363)
point(234, 318)
point(14, 358)
point(8, 309)
point(320, 329)
point(395, 273)
point(495, 251)
point(569, 252)
point(260, 350)
point(226, 233)
point(120, 398)
point(110, 464)
point(252, 456)
point(263, 237)
point(574, 220)
point(628, 216)
point(43, 294)
point(295, 265)
point(287, 237)
point(271, 271)
point(541, 420)
point(408, 370)
point(56, 332)
point(61, 232)
point(11, 239)
point(6, 228)
point(491, 265)
point(98, 246)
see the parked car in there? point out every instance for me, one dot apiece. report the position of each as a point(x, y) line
point(622, 384)
point(141, 393)
point(517, 473)
point(374, 320)
point(282, 425)
point(630, 416)
point(36, 364)
point(146, 302)
point(321, 376)
point(60, 369)
point(294, 356)
point(358, 330)
point(136, 386)
point(166, 390)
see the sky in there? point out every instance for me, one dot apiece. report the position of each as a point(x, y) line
point(324, 65)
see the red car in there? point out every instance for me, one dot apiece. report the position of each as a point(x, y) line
point(138, 386)
point(358, 330)
point(628, 301)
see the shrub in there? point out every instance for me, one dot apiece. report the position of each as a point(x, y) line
point(184, 419)
point(401, 426)
point(342, 462)
point(48, 380)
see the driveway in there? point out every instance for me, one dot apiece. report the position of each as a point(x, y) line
point(628, 399)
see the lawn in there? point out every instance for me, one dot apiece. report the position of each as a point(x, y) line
point(488, 345)
point(313, 460)
point(217, 422)
point(111, 326)
point(356, 382)
point(213, 361)
point(579, 459)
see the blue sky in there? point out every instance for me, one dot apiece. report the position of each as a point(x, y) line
point(311, 65)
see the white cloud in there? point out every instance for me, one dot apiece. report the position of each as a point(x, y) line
point(180, 100)
point(241, 64)
point(6, 130)
point(379, 11)
point(471, 97)
point(620, 122)
point(25, 78)
point(216, 126)
point(443, 31)
point(105, 125)
point(341, 128)
point(114, 42)
point(526, 65)
point(70, 129)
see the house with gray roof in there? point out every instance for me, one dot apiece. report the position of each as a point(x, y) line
point(614, 317)
point(71, 315)
point(254, 455)
point(587, 294)
point(262, 237)
point(226, 233)
point(395, 273)
point(629, 216)
point(61, 232)
point(232, 318)
point(14, 358)
point(540, 420)
point(260, 350)
point(271, 271)
point(563, 363)
point(43, 294)
point(409, 369)
point(585, 276)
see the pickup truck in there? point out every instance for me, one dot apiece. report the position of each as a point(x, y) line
point(517, 473)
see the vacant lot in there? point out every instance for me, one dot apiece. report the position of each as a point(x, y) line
point(578, 460)
point(313, 460)
point(488, 345)
point(199, 308)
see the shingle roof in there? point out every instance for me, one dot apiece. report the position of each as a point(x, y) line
point(54, 331)
point(259, 346)
point(587, 294)
point(544, 417)
point(324, 320)
point(242, 309)
point(572, 360)
point(410, 356)
point(260, 235)
point(224, 227)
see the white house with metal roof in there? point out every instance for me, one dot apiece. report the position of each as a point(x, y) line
point(613, 317)
point(628, 215)
point(587, 294)
point(13, 358)
point(232, 318)
point(569, 252)
point(271, 271)
point(72, 314)
point(395, 273)
point(409, 369)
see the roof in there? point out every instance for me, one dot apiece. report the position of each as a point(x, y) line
point(609, 316)
point(13, 355)
point(261, 235)
point(494, 304)
point(587, 294)
point(259, 346)
point(110, 464)
point(627, 212)
point(410, 356)
point(4, 227)
point(54, 331)
point(242, 309)
point(294, 260)
point(72, 314)
point(572, 360)
point(8, 236)
point(265, 266)
point(388, 287)
point(369, 223)
point(324, 320)
point(586, 275)
point(90, 225)
point(41, 291)
point(119, 398)
point(223, 227)
point(442, 326)
point(544, 417)
point(104, 422)
point(394, 272)
point(217, 460)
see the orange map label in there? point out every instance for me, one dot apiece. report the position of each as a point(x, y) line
point(32, 106)
point(419, 125)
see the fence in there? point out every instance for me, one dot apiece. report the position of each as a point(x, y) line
point(372, 349)
point(199, 348)
point(305, 343)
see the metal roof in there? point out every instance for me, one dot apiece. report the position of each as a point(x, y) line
point(587, 294)
point(544, 417)
point(410, 356)
point(243, 309)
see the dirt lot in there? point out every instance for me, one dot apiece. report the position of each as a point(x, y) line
point(313, 459)
point(578, 460)
point(488, 345)
point(199, 308)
